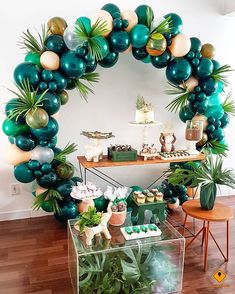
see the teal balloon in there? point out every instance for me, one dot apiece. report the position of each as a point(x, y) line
point(9, 108)
point(56, 44)
point(52, 143)
point(139, 35)
point(178, 71)
point(47, 180)
point(220, 87)
point(214, 100)
point(10, 128)
point(51, 103)
point(110, 60)
point(23, 174)
point(216, 64)
point(143, 11)
point(48, 131)
point(65, 187)
point(76, 180)
point(46, 206)
point(25, 142)
point(47, 75)
point(119, 41)
point(67, 211)
point(196, 44)
point(162, 60)
point(139, 53)
point(46, 168)
point(27, 71)
point(33, 165)
point(102, 43)
point(60, 80)
point(204, 69)
point(86, 22)
point(215, 111)
point(72, 65)
point(185, 114)
point(112, 9)
point(91, 65)
point(177, 24)
point(101, 203)
point(71, 84)
point(208, 86)
point(224, 120)
point(147, 59)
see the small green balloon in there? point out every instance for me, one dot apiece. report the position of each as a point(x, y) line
point(65, 187)
point(112, 9)
point(48, 180)
point(139, 35)
point(46, 168)
point(110, 60)
point(119, 41)
point(162, 60)
point(60, 80)
point(68, 211)
point(25, 142)
point(71, 84)
point(33, 165)
point(33, 57)
point(176, 23)
point(86, 22)
point(145, 15)
point(178, 70)
point(12, 129)
point(23, 174)
point(46, 206)
point(51, 103)
point(147, 59)
point(196, 44)
point(185, 114)
point(56, 44)
point(64, 97)
point(139, 53)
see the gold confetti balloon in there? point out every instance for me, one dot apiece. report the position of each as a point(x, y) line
point(156, 45)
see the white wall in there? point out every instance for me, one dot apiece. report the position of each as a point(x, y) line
point(113, 105)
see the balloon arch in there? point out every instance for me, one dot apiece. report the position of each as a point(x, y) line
point(65, 57)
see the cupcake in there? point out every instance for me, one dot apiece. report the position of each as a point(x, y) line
point(146, 191)
point(136, 193)
point(159, 196)
point(154, 191)
point(150, 197)
point(140, 198)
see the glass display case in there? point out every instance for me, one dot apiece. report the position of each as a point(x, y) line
point(149, 265)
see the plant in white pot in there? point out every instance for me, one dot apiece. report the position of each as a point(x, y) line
point(209, 175)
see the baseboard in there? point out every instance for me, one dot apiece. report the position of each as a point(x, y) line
point(21, 214)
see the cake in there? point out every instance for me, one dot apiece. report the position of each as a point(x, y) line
point(144, 111)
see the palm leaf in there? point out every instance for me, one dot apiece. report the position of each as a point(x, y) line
point(217, 147)
point(164, 27)
point(68, 149)
point(181, 100)
point(84, 88)
point(149, 16)
point(219, 74)
point(51, 196)
point(229, 105)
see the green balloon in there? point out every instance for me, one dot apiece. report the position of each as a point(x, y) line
point(147, 59)
point(48, 131)
point(139, 53)
point(91, 65)
point(56, 44)
point(101, 204)
point(47, 180)
point(23, 174)
point(209, 86)
point(46, 206)
point(25, 142)
point(72, 65)
point(60, 80)
point(65, 187)
point(196, 44)
point(52, 142)
point(27, 71)
point(204, 69)
point(46, 168)
point(11, 139)
point(102, 43)
point(76, 180)
point(51, 103)
point(139, 35)
point(178, 70)
point(112, 9)
point(10, 106)
point(162, 60)
point(33, 57)
point(185, 114)
point(86, 22)
point(145, 15)
point(216, 64)
point(119, 41)
point(110, 60)
point(64, 97)
point(12, 129)
point(67, 211)
point(176, 22)
point(71, 84)
point(215, 111)
point(33, 165)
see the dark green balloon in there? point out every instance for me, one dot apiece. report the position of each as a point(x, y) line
point(103, 45)
point(139, 35)
point(101, 203)
point(67, 211)
point(209, 86)
point(33, 57)
point(91, 65)
point(51, 103)
point(112, 9)
point(139, 53)
point(216, 64)
point(65, 187)
point(43, 86)
point(48, 131)
point(224, 120)
point(27, 71)
point(185, 114)
point(56, 44)
point(33, 165)
point(12, 129)
point(72, 65)
point(196, 44)
point(76, 179)
point(46, 206)
point(204, 69)
point(52, 142)
point(23, 174)
point(46, 168)
point(201, 106)
point(60, 80)
point(178, 70)
point(47, 75)
point(119, 41)
point(142, 12)
point(37, 173)
point(25, 142)
point(162, 60)
point(176, 22)
point(110, 60)
point(71, 84)
point(10, 106)
point(47, 180)
point(86, 22)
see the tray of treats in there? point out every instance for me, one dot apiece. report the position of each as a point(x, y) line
point(140, 231)
point(174, 155)
point(122, 153)
point(147, 196)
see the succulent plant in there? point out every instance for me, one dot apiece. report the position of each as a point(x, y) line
point(121, 206)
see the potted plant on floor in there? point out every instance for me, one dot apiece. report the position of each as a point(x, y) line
point(209, 175)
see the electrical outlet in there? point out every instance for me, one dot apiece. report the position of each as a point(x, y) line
point(15, 189)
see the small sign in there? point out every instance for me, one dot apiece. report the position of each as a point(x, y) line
point(219, 276)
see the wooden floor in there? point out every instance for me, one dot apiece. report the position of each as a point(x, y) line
point(33, 258)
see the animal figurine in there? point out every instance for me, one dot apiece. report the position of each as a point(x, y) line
point(167, 141)
point(148, 152)
point(94, 153)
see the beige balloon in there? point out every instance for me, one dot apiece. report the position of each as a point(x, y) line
point(132, 18)
point(15, 155)
point(203, 118)
point(39, 190)
point(190, 84)
point(103, 16)
point(50, 60)
point(180, 45)
point(128, 50)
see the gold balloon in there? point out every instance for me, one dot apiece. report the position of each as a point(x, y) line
point(50, 60)
point(201, 117)
point(57, 25)
point(132, 18)
point(180, 45)
point(203, 141)
point(208, 51)
point(103, 16)
point(15, 155)
point(191, 83)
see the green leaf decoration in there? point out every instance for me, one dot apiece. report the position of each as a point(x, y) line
point(229, 105)
point(219, 74)
point(149, 16)
point(34, 44)
point(84, 88)
point(51, 196)
point(164, 27)
point(28, 99)
point(181, 100)
point(216, 147)
point(98, 29)
point(68, 149)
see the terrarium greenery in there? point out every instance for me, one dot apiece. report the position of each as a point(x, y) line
point(89, 218)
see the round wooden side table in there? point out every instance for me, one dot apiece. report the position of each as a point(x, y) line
point(220, 213)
